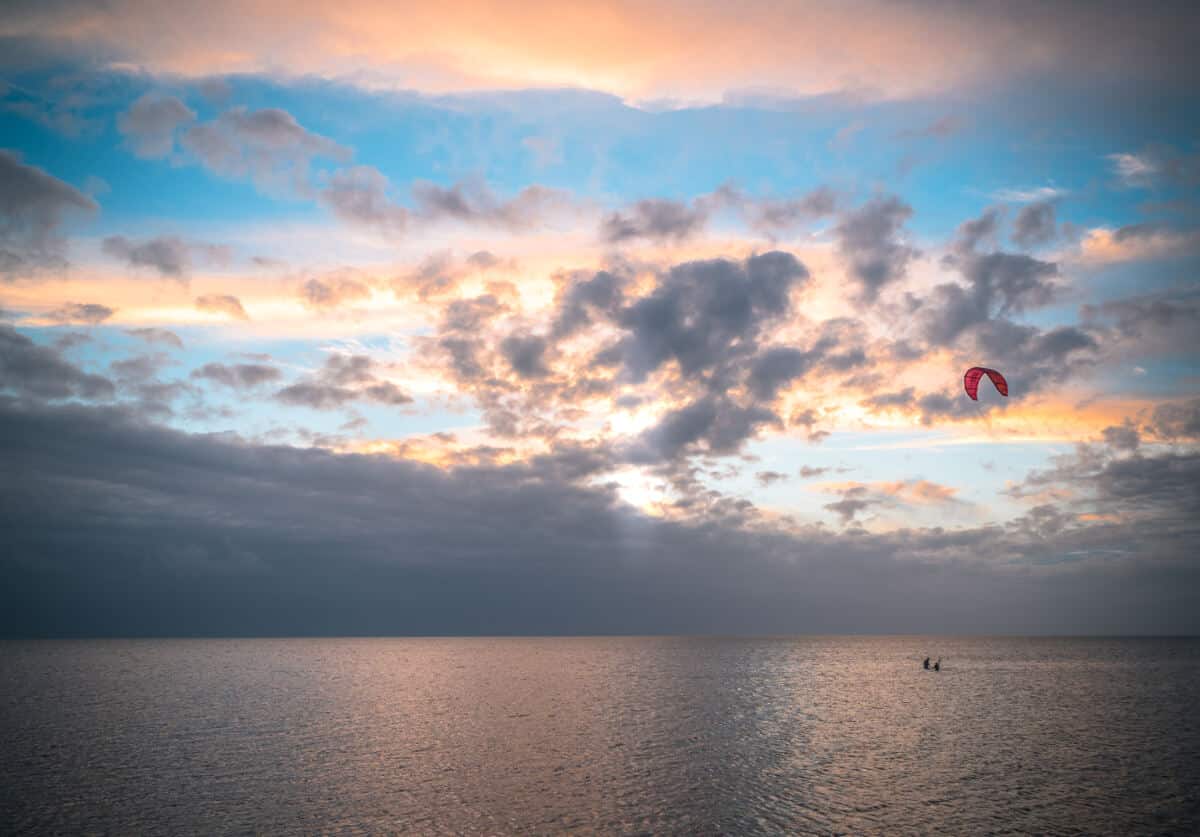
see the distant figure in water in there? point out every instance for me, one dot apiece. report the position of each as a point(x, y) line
point(927, 664)
point(938, 665)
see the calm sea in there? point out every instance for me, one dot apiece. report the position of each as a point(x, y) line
point(610, 735)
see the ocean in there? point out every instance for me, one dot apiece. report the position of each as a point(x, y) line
point(610, 735)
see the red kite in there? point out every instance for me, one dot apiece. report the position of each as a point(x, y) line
point(971, 381)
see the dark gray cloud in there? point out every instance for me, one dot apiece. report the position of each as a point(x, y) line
point(151, 123)
point(584, 298)
point(437, 274)
point(655, 219)
point(141, 386)
point(526, 355)
point(222, 304)
point(385, 392)
point(33, 207)
point(474, 202)
point(1179, 420)
point(1033, 357)
point(71, 339)
point(869, 241)
point(767, 478)
point(696, 334)
point(378, 545)
point(855, 500)
point(664, 220)
point(157, 335)
point(40, 372)
point(1154, 321)
point(780, 215)
point(996, 284)
point(318, 396)
point(238, 375)
point(973, 232)
point(1116, 480)
point(712, 425)
point(167, 254)
point(1122, 437)
point(268, 146)
point(775, 368)
point(332, 291)
point(341, 380)
point(702, 315)
point(360, 195)
point(90, 313)
point(1035, 224)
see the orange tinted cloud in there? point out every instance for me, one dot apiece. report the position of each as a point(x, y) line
point(667, 49)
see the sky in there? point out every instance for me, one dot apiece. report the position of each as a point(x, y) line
point(465, 318)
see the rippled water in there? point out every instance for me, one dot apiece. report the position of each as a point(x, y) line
point(664, 735)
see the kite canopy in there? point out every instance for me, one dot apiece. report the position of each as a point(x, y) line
point(971, 381)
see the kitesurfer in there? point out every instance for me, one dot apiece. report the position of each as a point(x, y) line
point(927, 664)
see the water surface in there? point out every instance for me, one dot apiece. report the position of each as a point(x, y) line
point(611, 735)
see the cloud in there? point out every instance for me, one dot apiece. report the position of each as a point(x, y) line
point(855, 500)
point(585, 299)
point(772, 216)
point(858, 497)
point(1156, 165)
point(1035, 194)
point(720, 51)
point(1179, 420)
point(768, 478)
point(169, 255)
point(238, 375)
point(1162, 321)
point(1124, 437)
point(267, 146)
point(526, 355)
point(33, 207)
point(684, 337)
point(222, 304)
point(360, 195)
point(656, 220)
point(332, 292)
point(62, 108)
point(869, 241)
point(341, 380)
point(315, 395)
point(1138, 242)
point(777, 367)
point(39, 372)
point(381, 545)
point(977, 230)
point(998, 283)
point(157, 335)
point(940, 128)
point(152, 122)
point(474, 202)
point(1039, 357)
point(704, 314)
point(1034, 224)
point(712, 424)
point(90, 313)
